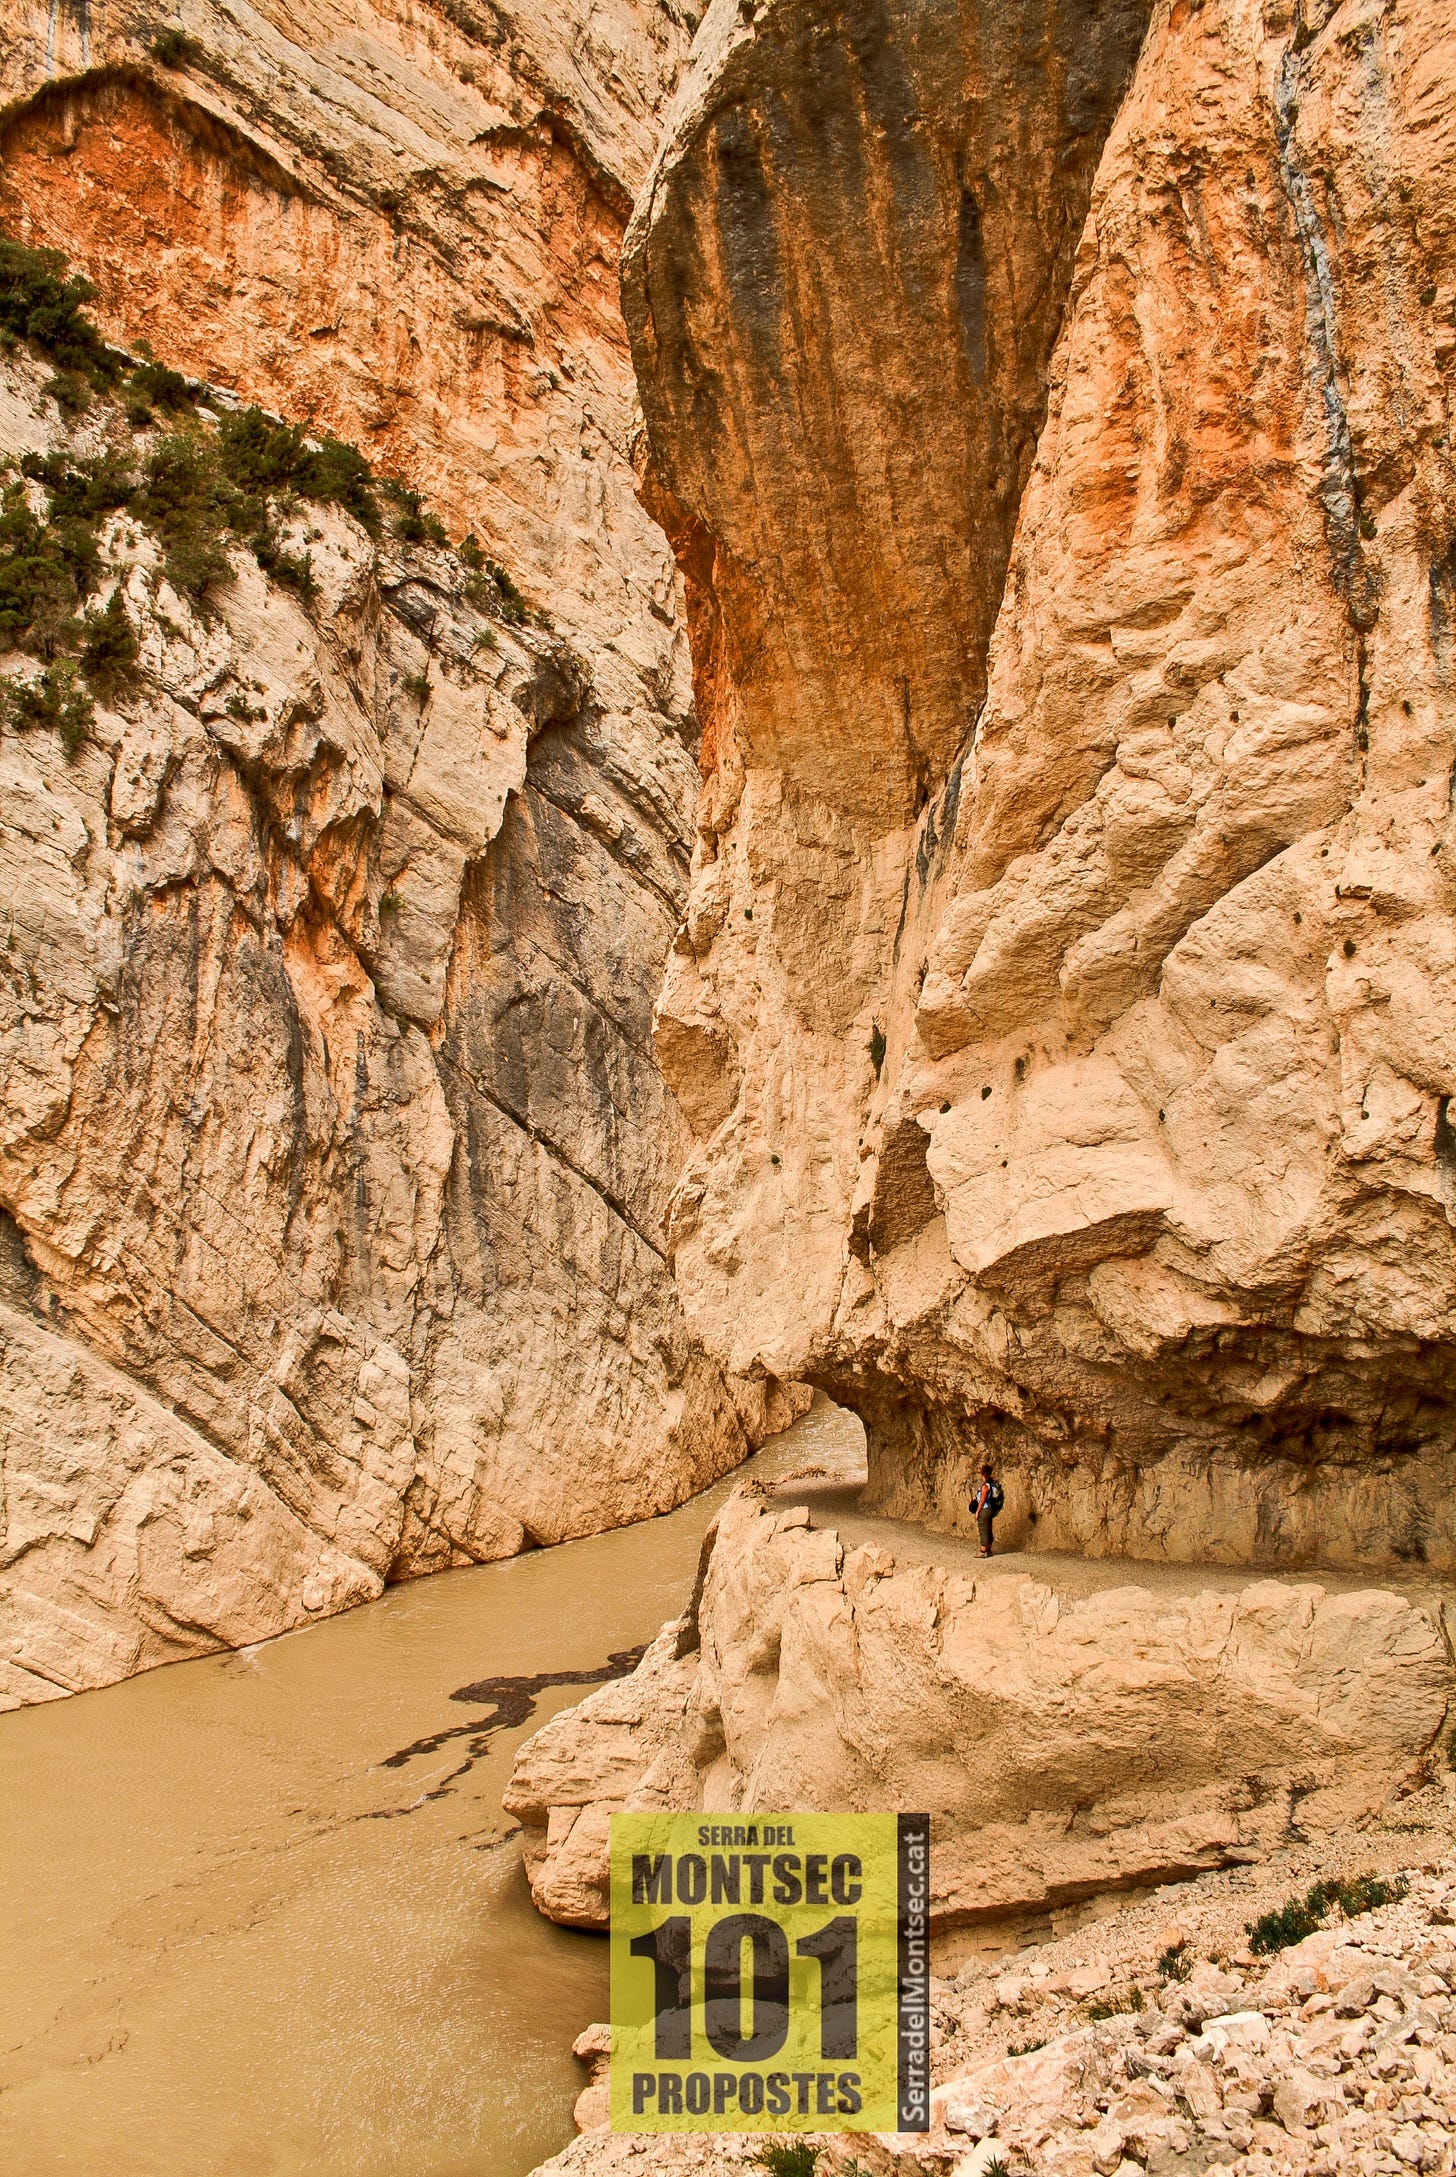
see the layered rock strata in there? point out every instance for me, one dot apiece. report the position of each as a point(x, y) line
point(335, 1152)
point(1063, 1007)
point(308, 1284)
point(1064, 1749)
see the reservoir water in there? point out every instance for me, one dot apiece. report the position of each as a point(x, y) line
point(263, 1915)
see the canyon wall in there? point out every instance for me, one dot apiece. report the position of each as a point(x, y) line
point(335, 1153)
point(1051, 410)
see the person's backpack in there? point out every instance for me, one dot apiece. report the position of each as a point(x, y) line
point(996, 1500)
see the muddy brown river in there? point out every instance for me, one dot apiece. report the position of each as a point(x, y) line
point(263, 1915)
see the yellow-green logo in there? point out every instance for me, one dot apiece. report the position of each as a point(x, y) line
point(770, 1972)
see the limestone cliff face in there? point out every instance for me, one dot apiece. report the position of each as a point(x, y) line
point(1064, 1005)
point(335, 1153)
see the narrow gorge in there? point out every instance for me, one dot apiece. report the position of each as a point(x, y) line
point(1051, 414)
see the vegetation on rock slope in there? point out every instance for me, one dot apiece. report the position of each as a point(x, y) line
point(202, 477)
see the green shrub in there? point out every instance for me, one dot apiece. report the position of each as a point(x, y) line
point(262, 460)
point(337, 473)
point(152, 386)
point(43, 575)
point(81, 490)
point(491, 587)
point(411, 524)
point(294, 571)
point(41, 305)
point(199, 487)
point(1367, 1893)
point(1300, 1916)
point(789, 2158)
point(109, 652)
point(257, 453)
point(75, 720)
point(49, 565)
point(55, 702)
point(513, 606)
point(174, 49)
point(1175, 1963)
point(70, 392)
point(417, 685)
point(185, 502)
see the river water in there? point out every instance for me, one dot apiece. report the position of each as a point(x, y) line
point(263, 1915)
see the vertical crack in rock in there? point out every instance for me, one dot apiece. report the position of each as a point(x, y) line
point(1337, 490)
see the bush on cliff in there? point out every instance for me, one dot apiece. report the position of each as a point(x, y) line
point(412, 525)
point(110, 651)
point(209, 482)
point(41, 304)
point(152, 386)
point(1300, 1916)
point(45, 570)
point(53, 701)
point(185, 502)
point(201, 488)
point(262, 460)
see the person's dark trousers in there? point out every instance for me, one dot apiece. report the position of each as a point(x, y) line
point(985, 1520)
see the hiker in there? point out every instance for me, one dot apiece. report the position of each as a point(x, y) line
point(986, 1503)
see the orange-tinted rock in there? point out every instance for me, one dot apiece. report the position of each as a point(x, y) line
point(404, 227)
point(844, 282)
point(1095, 1119)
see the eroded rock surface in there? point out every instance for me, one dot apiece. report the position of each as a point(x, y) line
point(336, 1149)
point(1062, 1008)
point(333, 1154)
point(1063, 1749)
point(844, 282)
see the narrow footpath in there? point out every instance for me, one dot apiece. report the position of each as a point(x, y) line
point(831, 1472)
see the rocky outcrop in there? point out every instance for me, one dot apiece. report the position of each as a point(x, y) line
point(1063, 1003)
point(336, 1153)
point(402, 224)
point(1064, 1749)
point(1335, 2056)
